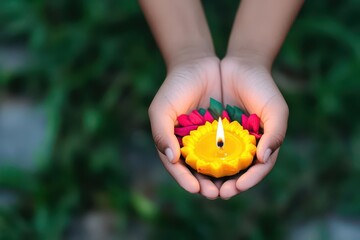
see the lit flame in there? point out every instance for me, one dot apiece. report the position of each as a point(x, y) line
point(220, 137)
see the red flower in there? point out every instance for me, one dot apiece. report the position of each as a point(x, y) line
point(183, 131)
point(187, 123)
point(252, 124)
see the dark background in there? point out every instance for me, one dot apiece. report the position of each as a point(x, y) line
point(77, 160)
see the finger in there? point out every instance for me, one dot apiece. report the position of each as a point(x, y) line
point(256, 173)
point(228, 189)
point(162, 127)
point(207, 187)
point(274, 117)
point(181, 174)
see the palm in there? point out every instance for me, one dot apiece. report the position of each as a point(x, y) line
point(188, 86)
point(249, 85)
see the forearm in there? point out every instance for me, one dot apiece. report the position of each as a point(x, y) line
point(180, 29)
point(260, 27)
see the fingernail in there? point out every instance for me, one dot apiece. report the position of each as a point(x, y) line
point(267, 155)
point(169, 154)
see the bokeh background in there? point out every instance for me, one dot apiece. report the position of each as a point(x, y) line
point(77, 160)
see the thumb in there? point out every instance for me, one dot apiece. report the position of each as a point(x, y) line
point(275, 124)
point(162, 127)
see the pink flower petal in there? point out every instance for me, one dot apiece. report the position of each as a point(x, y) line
point(197, 113)
point(257, 135)
point(208, 117)
point(225, 114)
point(244, 121)
point(196, 118)
point(183, 131)
point(184, 120)
point(253, 123)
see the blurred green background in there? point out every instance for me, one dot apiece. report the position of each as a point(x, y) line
point(77, 160)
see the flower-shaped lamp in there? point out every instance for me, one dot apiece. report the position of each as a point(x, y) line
point(216, 156)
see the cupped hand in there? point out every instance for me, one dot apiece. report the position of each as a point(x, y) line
point(247, 83)
point(188, 86)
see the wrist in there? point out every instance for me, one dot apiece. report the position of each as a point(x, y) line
point(250, 56)
point(189, 53)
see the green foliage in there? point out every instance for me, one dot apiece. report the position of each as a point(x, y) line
point(95, 68)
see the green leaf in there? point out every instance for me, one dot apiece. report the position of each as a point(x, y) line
point(145, 207)
point(237, 114)
point(15, 178)
point(215, 108)
point(231, 111)
point(202, 111)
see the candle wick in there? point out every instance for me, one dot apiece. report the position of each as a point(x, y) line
point(220, 143)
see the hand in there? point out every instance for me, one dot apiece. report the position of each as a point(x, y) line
point(188, 86)
point(247, 83)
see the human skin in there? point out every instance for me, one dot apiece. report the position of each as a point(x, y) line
point(193, 76)
point(242, 78)
point(259, 30)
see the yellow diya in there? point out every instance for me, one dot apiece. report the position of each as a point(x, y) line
point(219, 149)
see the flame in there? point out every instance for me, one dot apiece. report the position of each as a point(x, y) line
point(220, 136)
